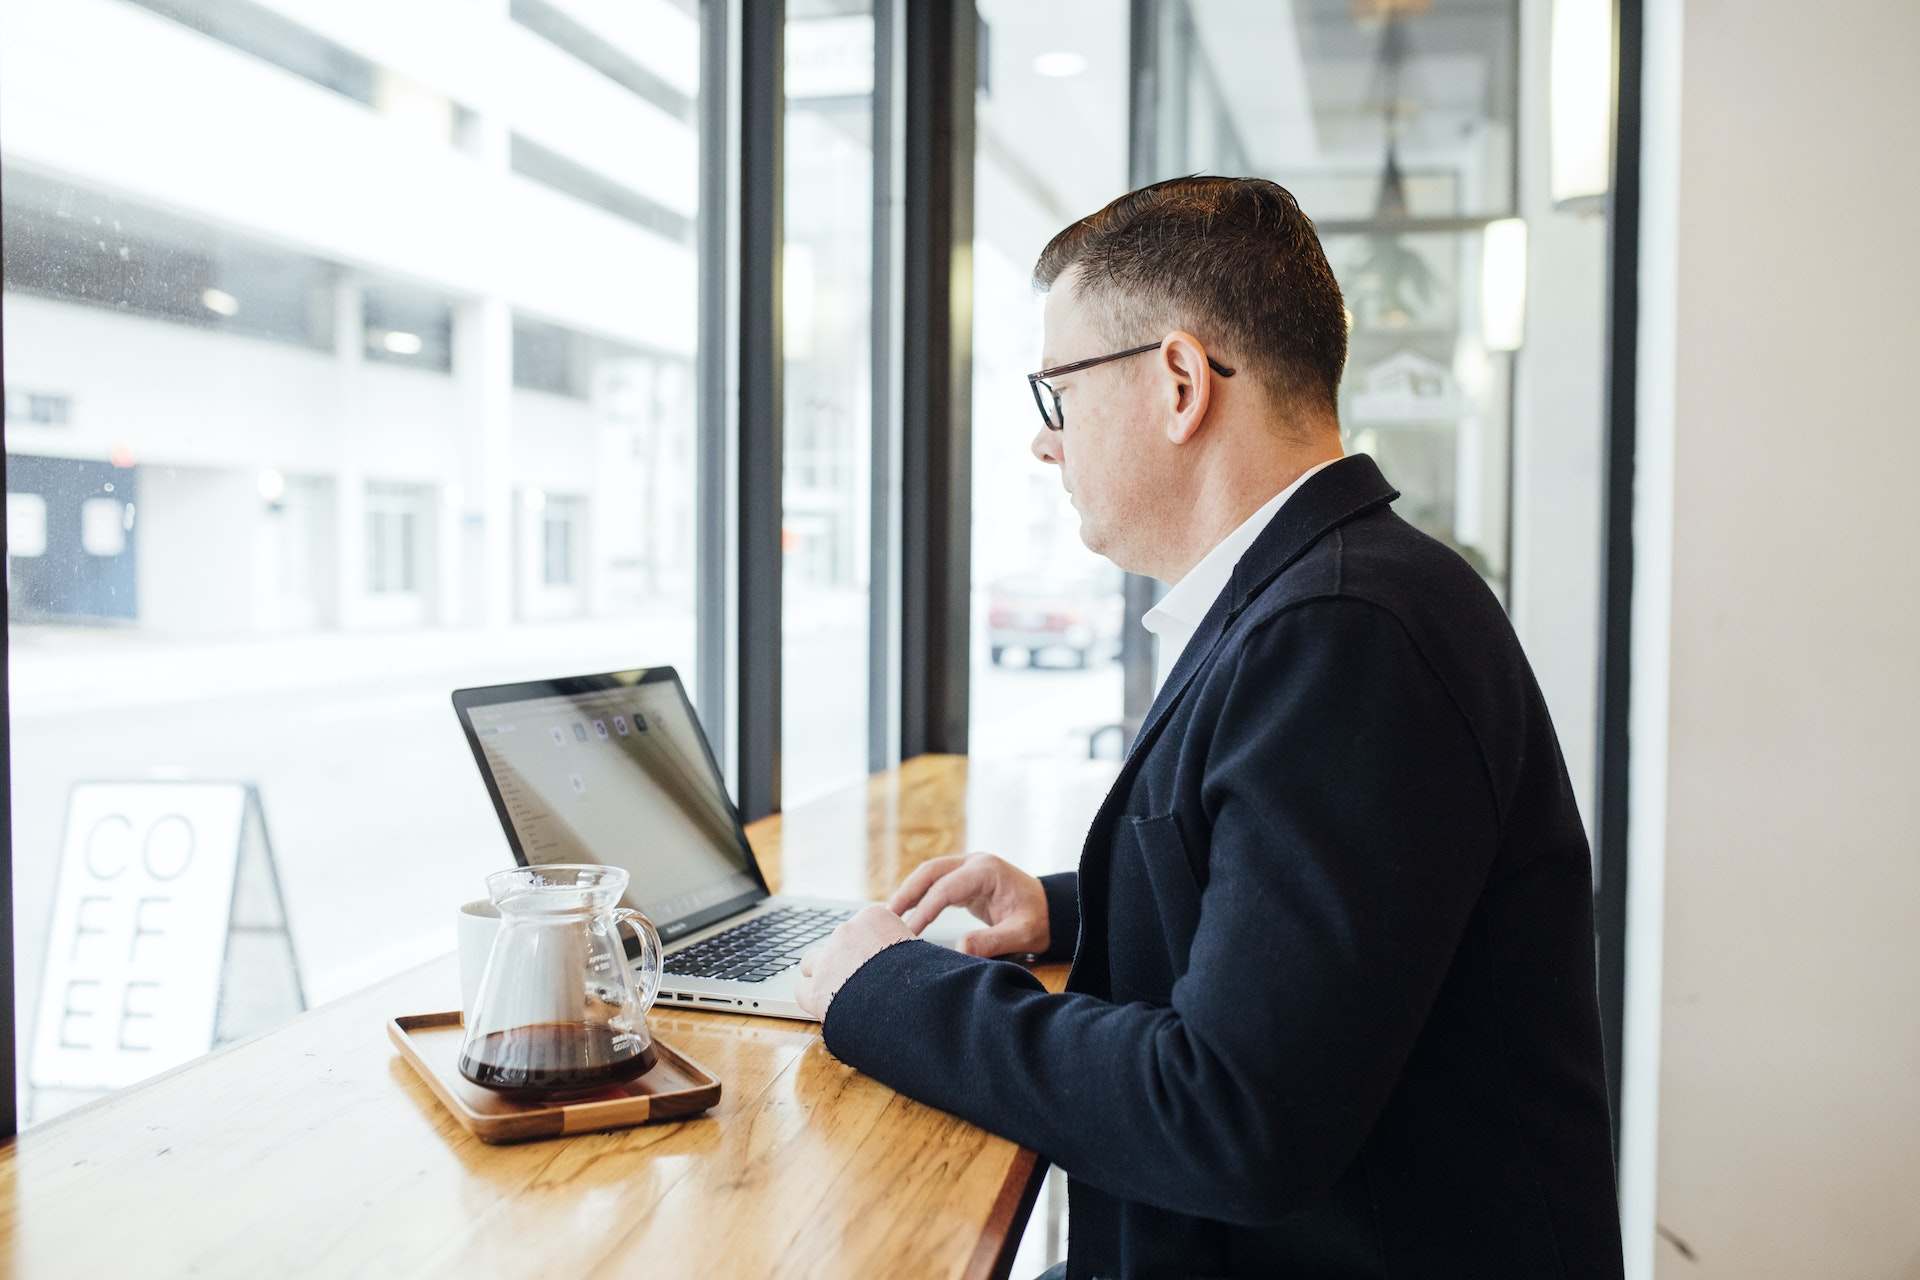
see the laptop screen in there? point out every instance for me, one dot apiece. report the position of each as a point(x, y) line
point(615, 770)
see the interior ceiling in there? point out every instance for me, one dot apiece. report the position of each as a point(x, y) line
point(1304, 84)
point(1254, 49)
point(1068, 134)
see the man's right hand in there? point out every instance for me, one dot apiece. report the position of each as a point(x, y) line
point(1012, 903)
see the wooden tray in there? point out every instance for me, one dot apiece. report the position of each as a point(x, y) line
point(675, 1088)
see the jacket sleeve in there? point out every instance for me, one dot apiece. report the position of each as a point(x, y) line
point(1353, 823)
point(1063, 914)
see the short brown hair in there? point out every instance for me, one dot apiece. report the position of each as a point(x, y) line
point(1233, 257)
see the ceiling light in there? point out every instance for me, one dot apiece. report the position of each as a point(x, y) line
point(796, 300)
point(401, 343)
point(1060, 64)
point(271, 483)
point(220, 302)
point(1580, 106)
point(1503, 284)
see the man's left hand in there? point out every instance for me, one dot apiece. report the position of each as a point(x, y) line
point(824, 969)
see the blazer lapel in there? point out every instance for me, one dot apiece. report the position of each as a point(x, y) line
point(1349, 488)
point(1193, 659)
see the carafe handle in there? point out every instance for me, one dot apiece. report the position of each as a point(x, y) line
point(652, 958)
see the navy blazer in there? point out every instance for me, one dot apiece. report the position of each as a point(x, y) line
point(1332, 1009)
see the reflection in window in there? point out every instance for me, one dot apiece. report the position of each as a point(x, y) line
point(1394, 127)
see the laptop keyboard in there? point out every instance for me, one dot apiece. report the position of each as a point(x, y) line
point(760, 948)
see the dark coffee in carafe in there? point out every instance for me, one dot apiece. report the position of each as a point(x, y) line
point(546, 1059)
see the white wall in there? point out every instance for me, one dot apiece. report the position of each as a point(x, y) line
point(1776, 1130)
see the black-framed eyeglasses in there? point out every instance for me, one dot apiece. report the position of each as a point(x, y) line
point(1055, 421)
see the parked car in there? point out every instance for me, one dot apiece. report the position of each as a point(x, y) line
point(1075, 613)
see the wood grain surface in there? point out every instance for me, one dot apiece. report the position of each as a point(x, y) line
point(316, 1150)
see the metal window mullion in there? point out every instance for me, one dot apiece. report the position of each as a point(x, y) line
point(9, 1120)
point(1140, 593)
point(756, 718)
point(716, 374)
point(942, 48)
point(1616, 610)
point(889, 232)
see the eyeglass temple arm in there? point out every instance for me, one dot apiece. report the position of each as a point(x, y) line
point(1090, 362)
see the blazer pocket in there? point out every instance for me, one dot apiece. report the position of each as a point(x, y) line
point(1156, 908)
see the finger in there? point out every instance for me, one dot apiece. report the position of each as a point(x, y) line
point(1004, 939)
point(807, 961)
point(923, 876)
point(956, 886)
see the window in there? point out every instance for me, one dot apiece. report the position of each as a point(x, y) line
point(1416, 137)
point(562, 524)
point(1394, 127)
point(103, 526)
point(826, 278)
point(39, 410)
point(406, 327)
point(1047, 612)
point(278, 397)
point(394, 516)
point(26, 526)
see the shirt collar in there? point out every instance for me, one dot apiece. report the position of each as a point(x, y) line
point(1174, 618)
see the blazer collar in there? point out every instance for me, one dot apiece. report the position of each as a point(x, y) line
point(1332, 496)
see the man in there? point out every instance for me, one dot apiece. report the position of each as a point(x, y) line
point(1332, 1007)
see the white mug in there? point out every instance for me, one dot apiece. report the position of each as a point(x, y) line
point(479, 924)
point(479, 921)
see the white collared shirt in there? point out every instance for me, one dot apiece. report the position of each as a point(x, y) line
point(1174, 619)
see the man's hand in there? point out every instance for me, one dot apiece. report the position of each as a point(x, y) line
point(1011, 902)
point(824, 969)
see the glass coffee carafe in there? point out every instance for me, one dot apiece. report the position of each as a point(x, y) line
point(558, 1011)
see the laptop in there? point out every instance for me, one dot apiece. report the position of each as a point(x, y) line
point(614, 769)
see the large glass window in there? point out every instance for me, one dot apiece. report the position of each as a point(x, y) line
point(1393, 124)
point(1047, 612)
point(827, 307)
point(349, 360)
point(1415, 136)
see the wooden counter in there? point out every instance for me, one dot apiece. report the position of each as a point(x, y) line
point(315, 1149)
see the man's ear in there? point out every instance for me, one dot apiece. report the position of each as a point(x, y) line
point(1187, 385)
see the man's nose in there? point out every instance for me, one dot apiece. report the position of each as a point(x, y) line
point(1046, 446)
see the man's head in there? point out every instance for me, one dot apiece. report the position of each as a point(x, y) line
point(1221, 269)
